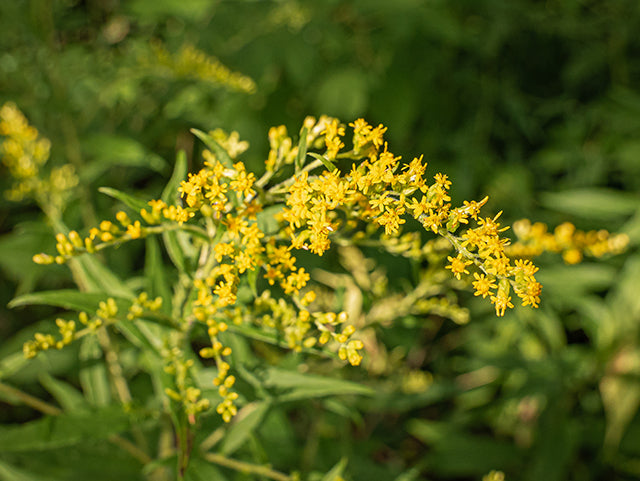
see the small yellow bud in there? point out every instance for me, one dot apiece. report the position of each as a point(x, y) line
point(75, 239)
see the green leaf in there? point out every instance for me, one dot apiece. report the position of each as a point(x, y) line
point(133, 203)
point(302, 150)
point(201, 470)
point(140, 335)
point(66, 298)
point(9, 472)
point(252, 280)
point(267, 221)
point(295, 386)
point(592, 203)
point(221, 154)
point(108, 150)
point(620, 393)
point(343, 93)
point(455, 453)
point(326, 162)
point(93, 377)
point(156, 275)
point(249, 419)
point(98, 278)
point(12, 364)
point(170, 191)
point(135, 332)
point(151, 12)
point(568, 284)
point(16, 254)
point(174, 249)
point(69, 398)
point(335, 474)
point(68, 429)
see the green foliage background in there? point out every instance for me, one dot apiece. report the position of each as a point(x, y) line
point(536, 104)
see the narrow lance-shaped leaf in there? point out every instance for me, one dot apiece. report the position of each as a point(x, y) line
point(169, 195)
point(132, 202)
point(65, 298)
point(335, 474)
point(221, 153)
point(326, 162)
point(302, 150)
point(156, 275)
point(249, 419)
point(298, 386)
point(65, 430)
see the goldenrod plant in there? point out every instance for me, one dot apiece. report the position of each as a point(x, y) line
point(238, 244)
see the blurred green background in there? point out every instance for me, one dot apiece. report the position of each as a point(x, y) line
point(534, 103)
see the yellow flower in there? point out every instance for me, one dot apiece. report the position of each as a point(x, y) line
point(458, 265)
point(483, 285)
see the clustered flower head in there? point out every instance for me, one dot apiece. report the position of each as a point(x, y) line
point(191, 62)
point(573, 244)
point(222, 208)
point(106, 313)
point(380, 190)
point(24, 153)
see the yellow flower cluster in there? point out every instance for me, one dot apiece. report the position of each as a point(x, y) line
point(183, 392)
point(379, 190)
point(106, 314)
point(297, 325)
point(109, 234)
point(193, 63)
point(319, 133)
point(494, 476)
point(573, 244)
point(24, 153)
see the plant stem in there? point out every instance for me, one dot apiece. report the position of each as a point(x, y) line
point(245, 467)
point(29, 400)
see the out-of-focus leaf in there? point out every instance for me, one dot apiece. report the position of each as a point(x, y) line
point(98, 278)
point(170, 191)
point(12, 473)
point(12, 364)
point(108, 150)
point(93, 376)
point(170, 195)
point(174, 249)
point(457, 453)
point(67, 429)
point(296, 386)
point(17, 249)
point(568, 283)
point(335, 473)
point(597, 204)
point(625, 299)
point(221, 154)
point(133, 203)
point(69, 398)
point(343, 93)
point(620, 393)
point(202, 470)
point(555, 447)
point(267, 221)
point(156, 275)
point(65, 298)
point(249, 419)
point(151, 11)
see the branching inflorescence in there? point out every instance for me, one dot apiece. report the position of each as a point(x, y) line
point(240, 234)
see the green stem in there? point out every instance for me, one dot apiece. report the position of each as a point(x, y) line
point(29, 400)
point(246, 468)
